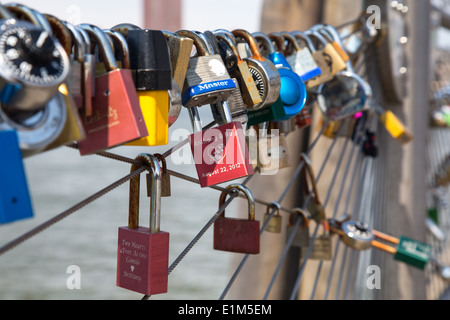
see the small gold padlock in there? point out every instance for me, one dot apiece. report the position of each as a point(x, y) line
point(274, 224)
point(301, 237)
point(321, 247)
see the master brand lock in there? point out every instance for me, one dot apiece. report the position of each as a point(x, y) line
point(207, 79)
point(237, 235)
point(117, 117)
point(15, 201)
point(143, 253)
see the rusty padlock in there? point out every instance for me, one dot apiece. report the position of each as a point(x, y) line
point(143, 253)
point(237, 235)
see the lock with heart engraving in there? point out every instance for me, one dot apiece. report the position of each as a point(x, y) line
point(143, 253)
point(360, 236)
point(235, 234)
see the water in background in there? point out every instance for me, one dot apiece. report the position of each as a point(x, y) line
point(59, 179)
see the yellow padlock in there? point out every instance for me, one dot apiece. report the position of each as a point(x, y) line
point(395, 127)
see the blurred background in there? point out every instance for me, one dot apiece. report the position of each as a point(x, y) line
point(37, 269)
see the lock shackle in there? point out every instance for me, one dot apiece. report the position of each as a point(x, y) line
point(123, 28)
point(303, 214)
point(251, 41)
point(209, 45)
point(98, 37)
point(228, 38)
point(290, 39)
point(23, 12)
point(199, 43)
point(274, 205)
point(265, 41)
point(155, 200)
point(60, 32)
point(78, 42)
point(5, 13)
point(316, 34)
point(227, 33)
point(323, 30)
point(161, 159)
point(246, 192)
point(86, 39)
point(120, 43)
point(308, 169)
point(301, 36)
point(279, 41)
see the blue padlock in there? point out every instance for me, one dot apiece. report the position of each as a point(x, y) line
point(15, 201)
point(293, 90)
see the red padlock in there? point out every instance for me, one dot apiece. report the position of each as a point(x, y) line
point(220, 154)
point(117, 117)
point(143, 253)
point(237, 235)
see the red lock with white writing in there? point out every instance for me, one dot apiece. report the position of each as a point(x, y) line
point(143, 253)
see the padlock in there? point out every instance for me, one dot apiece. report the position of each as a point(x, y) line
point(247, 85)
point(165, 178)
point(234, 234)
point(33, 66)
point(314, 206)
point(220, 154)
point(276, 221)
point(395, 127)
point(15, 200)
point(292, 89)
point(180, 52)
point(143, 253)
point(272, 151)
point(117, 117)
point(360, 236)
point(88, 73)
point(151, 67)
point(330, 33)
point(303, 119)
point(75, 81)
point(301, 59)
point(336, 62)
point(218, 46)
point(207, 79)
point(301, 237)
point(321, 245)
point(264, 73)
point(238, 110)
point(73, 130)
point(346, 94)
point(38, 129)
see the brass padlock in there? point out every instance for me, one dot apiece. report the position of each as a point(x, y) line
point(321, 246)
point(275, 222)
point(301, 237)
point(314, 206)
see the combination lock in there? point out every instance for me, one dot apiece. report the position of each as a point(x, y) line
point(33, 64)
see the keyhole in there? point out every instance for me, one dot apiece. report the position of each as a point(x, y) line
point(14, 200)
point(107, 92)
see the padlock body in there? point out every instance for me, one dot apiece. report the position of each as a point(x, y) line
point(301, 237)
point(237, 235)
point(117, 117)
point(220, 154)
point(413, 252)
point(302, 62)
point(321, 249)
point(395, 127)
point(155, 109)
point(275, 112)
point(274, 224)
point(143, 260)
point(15, 201)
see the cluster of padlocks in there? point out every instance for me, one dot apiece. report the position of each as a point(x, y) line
point(63, 84)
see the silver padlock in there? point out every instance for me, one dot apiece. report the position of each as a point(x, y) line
point(207, 79)
point(36, 130)
point(33, 65)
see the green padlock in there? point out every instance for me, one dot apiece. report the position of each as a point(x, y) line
point(413, 252)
